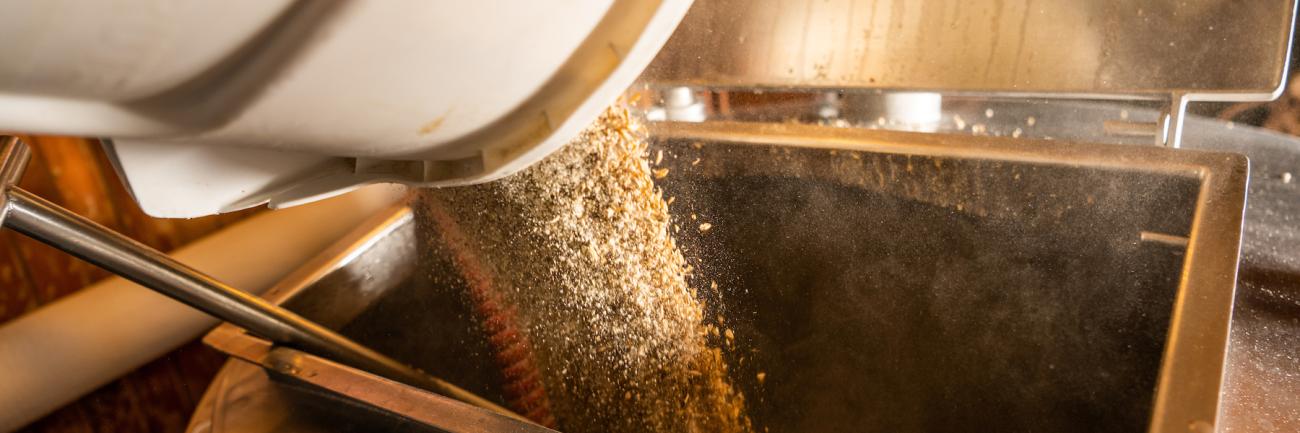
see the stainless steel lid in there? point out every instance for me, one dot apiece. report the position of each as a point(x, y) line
point(1177, 51)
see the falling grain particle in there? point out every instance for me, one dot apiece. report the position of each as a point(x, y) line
point(1031, 121)
point(695, 162)
point(961, 123)
point(705, 227)
point(692, 217)
point(713, 285)
point(660, 173)
point(650, 366)
point(988, 113)
point(762, 377)
point(671, 200)
point(1286, 177)
point(1016, 133)
point(659, 157)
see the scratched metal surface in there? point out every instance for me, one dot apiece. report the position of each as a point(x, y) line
point(1115, 47)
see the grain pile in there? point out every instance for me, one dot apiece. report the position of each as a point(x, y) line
point(583, 292)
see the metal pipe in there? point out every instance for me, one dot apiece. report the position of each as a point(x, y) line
point(85, 239)
point(13, 160)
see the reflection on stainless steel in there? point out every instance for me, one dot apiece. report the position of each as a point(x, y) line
point(902, 111)
point(1174, 51)
point(1109, 47)
point(370, 392)
point(85, 239)
point(680, 104)
point(883, 281)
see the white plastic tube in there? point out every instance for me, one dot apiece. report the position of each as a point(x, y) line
point(54, 355)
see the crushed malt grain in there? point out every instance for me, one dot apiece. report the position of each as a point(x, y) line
point(582, 259)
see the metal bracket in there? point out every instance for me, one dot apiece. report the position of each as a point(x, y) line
point(1170, 129)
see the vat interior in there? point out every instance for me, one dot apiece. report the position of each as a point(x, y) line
point(881, 310)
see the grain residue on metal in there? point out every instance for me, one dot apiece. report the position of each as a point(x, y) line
point(581, 254)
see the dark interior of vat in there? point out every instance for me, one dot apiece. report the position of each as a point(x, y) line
point(1020, 299)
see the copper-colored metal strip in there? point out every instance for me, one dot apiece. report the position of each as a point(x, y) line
point(513, 352)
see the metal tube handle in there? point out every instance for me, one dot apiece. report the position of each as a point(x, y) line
point(44, 221)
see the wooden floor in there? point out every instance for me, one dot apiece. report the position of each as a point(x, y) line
point(75, 173)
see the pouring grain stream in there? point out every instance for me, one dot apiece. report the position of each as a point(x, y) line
point(583, 293)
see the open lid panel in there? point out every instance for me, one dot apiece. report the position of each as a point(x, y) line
point(1171, 50)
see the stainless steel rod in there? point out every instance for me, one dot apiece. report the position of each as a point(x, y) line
point(85, 239)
